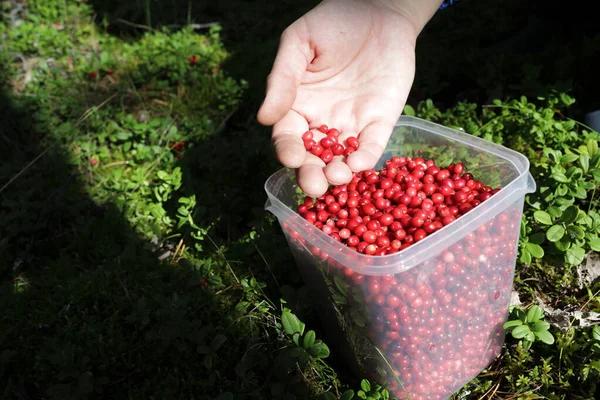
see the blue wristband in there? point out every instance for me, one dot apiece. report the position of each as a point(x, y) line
point(446, 4)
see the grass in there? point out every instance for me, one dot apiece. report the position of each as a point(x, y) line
point(134, 267)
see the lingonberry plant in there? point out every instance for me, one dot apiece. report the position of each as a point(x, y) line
point(529, 326)
point(562, 217)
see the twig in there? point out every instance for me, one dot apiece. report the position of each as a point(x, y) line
point(145, 27)
point(25, 168)
point(493, 390)
point(224, 258)
point(266, 263)
point(193, 26)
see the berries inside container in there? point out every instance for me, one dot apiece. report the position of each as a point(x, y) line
point(384, 212)
point(413, 278)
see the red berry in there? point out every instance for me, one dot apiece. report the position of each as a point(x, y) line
point(327, 142)
point(317, 150)
point(352, 142)
point(337, 149)
point(348, 151)
point(333, 132)
point(308, 135)
point(323, 128)
point(193, 60)
point(309, 144)
point(327, 156)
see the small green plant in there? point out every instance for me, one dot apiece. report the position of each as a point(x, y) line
point(306, 344)
point(529, 326)
point(367, 391)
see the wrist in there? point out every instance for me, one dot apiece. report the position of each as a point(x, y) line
point(416, 12)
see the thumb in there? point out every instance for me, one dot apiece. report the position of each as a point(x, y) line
point(290, 65)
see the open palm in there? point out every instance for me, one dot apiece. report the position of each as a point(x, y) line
point(348, 64)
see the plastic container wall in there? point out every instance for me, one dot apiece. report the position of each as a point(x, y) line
point(427, 320)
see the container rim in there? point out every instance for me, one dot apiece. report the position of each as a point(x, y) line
point(420, 251)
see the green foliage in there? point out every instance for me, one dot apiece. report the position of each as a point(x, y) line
point(561, 218)
point(529, 327)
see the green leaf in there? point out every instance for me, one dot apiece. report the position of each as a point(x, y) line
point(584, 161)
point(217, 342)
point(365, 385)
point(296, 338)
point(512, 323)
point(530, 337)
point(534, 314)
point(596, 333)
point(319, 349)
point(569, 215)
point(348, 395)
point(576, 231)
point(554, 211)
point(408, 110)
point(290, 323)
point(520, 331)
point(594, 243)
point(545, 337)
point(564, 243)
point(358, 318)
point(525, 256)
point(309, 339)
point(542, 217)
point(301, 327)
point(580, 192)
point(521, 314)
point(540, 326)
point(568, 158)
point(555, 233)
point(208, 361)
point(575, 255)
point(341, 285)
point(537, 238)
point(535, 250)
point(592, 146)
point(596, 175)
point(560, 177)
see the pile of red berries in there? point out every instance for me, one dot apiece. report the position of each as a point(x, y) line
point(329, 146)
point(383, 212)
point(439, 323)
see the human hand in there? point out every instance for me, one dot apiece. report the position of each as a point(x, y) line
point(349, 64)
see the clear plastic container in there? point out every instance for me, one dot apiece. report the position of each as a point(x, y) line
point(428, 319)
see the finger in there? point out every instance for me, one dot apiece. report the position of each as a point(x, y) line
point(311, 177)
point(288, 68)
point(337, 172)
point(287, 139)
point(372, 142)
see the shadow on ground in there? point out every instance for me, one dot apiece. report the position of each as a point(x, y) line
point(88, 309)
